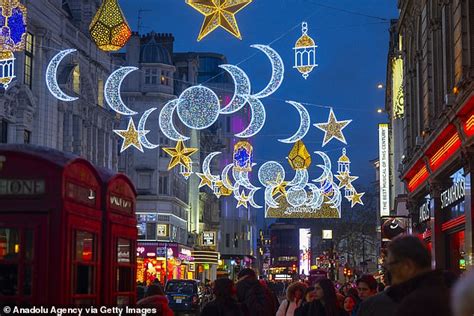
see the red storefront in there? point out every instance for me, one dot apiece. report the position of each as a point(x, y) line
point(52, 229)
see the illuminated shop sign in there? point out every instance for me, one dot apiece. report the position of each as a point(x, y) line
point(305, 250)
point(384, 171)
point(425, 210)
point(13, 187)
point(456, 192)
point(209, 239)
point(162, 230)
point(397, 87)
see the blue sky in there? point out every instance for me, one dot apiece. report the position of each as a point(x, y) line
point(352, 56)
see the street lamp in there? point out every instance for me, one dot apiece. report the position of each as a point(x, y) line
point(380, 110)
point(380, 86)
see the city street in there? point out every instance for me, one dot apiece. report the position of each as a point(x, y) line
point(237, 157)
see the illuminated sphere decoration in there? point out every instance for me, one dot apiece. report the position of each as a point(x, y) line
point(305, 52)
point(108, 28)
point(7, 68)
point(271, 174)
point(198, 107)
point(13, 25)
point(299, 157)
point(243, 156)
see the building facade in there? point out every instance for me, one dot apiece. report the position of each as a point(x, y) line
point(30, 114)
point(432, 47)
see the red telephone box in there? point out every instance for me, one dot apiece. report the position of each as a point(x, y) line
point(50, 228)
point(120, 240)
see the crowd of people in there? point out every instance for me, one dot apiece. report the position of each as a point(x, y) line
point(411, 288)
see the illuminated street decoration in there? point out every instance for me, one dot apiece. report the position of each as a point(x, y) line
point(109, 29)
point(51, 76)
point(257, 121)
point(206, 167)
point(7, 68)
point(13, 20)
point(219, 13)
point(299, 157)
point(141, 127)
point(242, 89)
point(180, 155)
point(333, 128)
point(198, 107)
point(166, 121)
point(384, 170)
point(278, 71)
point(305, 123)
point(305, 52)
point(344, 174)
point(243, 156)
point(131, 136)
point(112, 90)
point(356, 198)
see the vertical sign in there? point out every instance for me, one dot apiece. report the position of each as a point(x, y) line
point(384, 171)
point(305, 250)
point(397, 87)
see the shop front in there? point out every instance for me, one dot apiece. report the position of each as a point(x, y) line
point(422, 220)
point(163, 261)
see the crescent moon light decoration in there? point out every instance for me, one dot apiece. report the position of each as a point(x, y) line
point(166, 122)
point(305, 123)
point(141, 127)
point(242, 89)
point(251, 198)
point(258, 118)
point(51, 76)
point(112, 90)
point(278, 71)
point(206, 166)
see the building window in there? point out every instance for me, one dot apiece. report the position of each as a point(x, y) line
point(144, 181)
point(3, 131)
point(236, 240)
point(151, 76)
point(163, 185)
point(76, 80)
point(227, 240)
point(163, 78)
point(100, 92)
point(27, 137)
point(29, 59)
point(164, 141)
point(151, 231)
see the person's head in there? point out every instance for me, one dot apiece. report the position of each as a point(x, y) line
point(407, 257)
point(154, 289)
point(366, 286)
point(223, 288)
point(349, 303)
point(462, 295)
point(295, 292)
point(247, 273)
point(309, 294)
point(325, 292)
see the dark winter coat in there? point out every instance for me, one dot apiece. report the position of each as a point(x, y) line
point(380, 304)
point(424, 295)
point(159, 302)
point(255, 297)
point(220, 307)
point(316, 308)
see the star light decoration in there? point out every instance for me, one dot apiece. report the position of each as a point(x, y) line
point(108, 28)
point(219, 13)
point(333, 128)
point(345, 180)
point(13, 22)
point(180, 155)
point(131, 136)
point(305, 52)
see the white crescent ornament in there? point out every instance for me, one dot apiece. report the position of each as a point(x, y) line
point(166, 122)
point(305, 124)
point(112, 90)
point(257, 120)
point(141, 127)
point(242, 89)
point(51, 76)
point(206, 166)
point(278, 71)
point(251, 198)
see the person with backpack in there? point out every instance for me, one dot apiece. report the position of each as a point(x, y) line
point(225, 303)
point(294, 298)
point(253, 295)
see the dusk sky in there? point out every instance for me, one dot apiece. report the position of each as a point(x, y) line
point(352, 38)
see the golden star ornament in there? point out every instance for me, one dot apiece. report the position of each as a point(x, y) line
point(180, 155)
point(345, 180)
point(356, 198)
point(243, 200)
point(280, 189)
point(219, 13)
point(204, 180)
point(333, 128)
point(131, 136)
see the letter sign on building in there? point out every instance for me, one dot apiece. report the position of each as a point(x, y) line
point(384, 171)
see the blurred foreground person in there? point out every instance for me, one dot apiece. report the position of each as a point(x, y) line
point(463, 295)
point(416, 288)
point(225, 303)
point(256, 298)
point(323, 301)
point(294, 298)
point(156, 298)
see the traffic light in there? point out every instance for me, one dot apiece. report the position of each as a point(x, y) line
point(345, 271)
point(349, 272)
point(294, 268)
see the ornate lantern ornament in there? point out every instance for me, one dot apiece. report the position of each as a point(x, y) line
point(13, 26)
point(243, 156)
point(109, 29)
point(305, 53)
point(7, 68)
point(299, 157)
point(344, 163)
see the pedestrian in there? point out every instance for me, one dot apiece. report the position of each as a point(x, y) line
point(225, 302)
point(140, 290)
point(416, 288)
point(380, 304)
point(294, 298)
point(463, 295)
point(308, 297)
point(257, 299)
point(366, 286)
point(323, 301)
point(156, 298)
point(351, 302)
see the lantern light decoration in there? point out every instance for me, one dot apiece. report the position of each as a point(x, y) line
point(243, 156)
point(344, 163)
point(7, 68)
point(305, 52)
point(299, 157)
point(13, 26)
point(108, 28)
